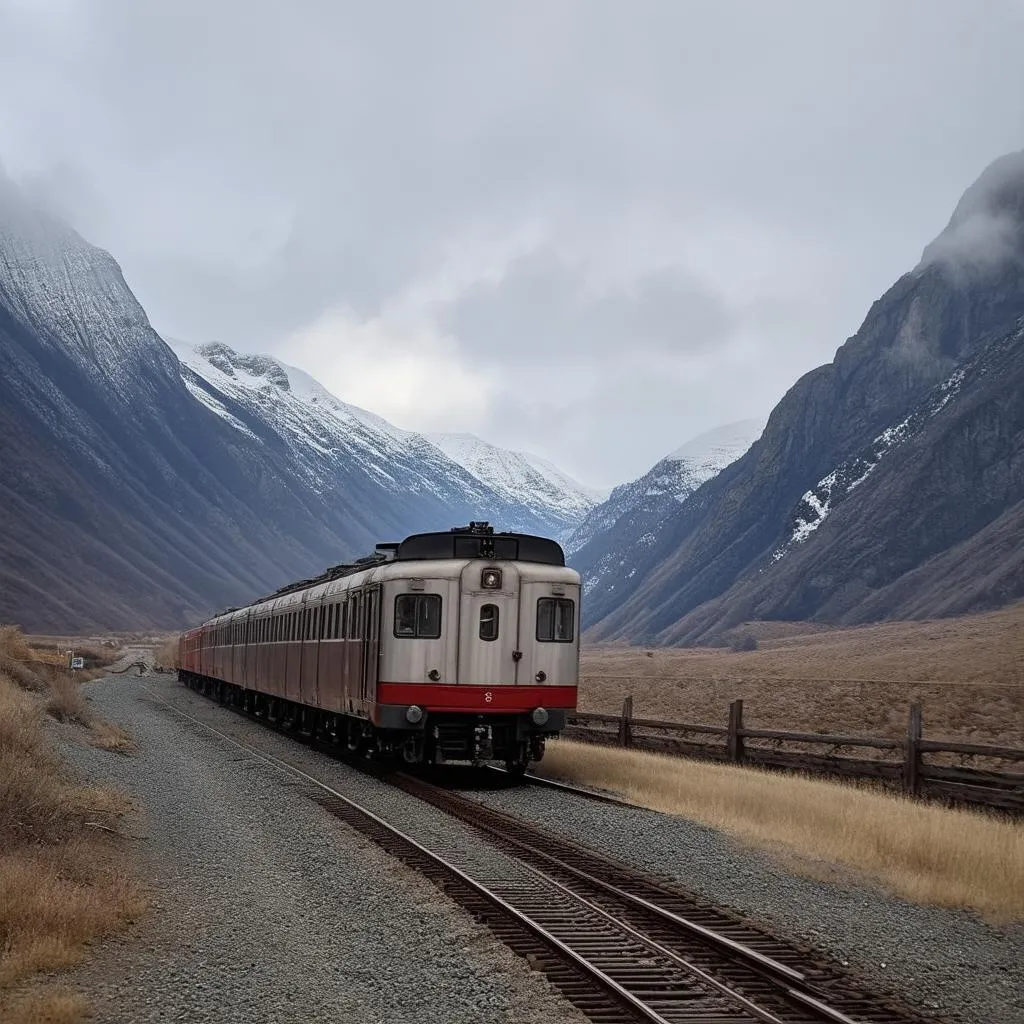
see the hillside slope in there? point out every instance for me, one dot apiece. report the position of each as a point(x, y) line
point(137, 493)
point(636, 509)
point(941, 507)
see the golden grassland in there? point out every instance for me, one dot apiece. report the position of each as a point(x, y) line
point(922, 852)
point(62, 877)
point(967, 673)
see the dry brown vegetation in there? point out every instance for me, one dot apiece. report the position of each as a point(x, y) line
point(167, 654)
point(62, 882)
point(968, 674)
point(925, 853)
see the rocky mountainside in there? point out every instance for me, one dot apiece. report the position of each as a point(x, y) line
point(888, 482)
point(524, 479)
point(138, 492)
point(326, 436)
point(666, 484)
point(636, 509)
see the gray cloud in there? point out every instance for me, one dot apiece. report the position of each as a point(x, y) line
point(548, 312)
point(684, 205)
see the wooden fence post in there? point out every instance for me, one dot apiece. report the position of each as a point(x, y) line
point(626, 723)
point(912, 765)
point(734, 740)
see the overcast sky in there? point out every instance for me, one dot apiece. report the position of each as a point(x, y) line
point(586, 229)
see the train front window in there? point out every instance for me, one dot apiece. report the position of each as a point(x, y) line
point(418, 616)
point(555, 618)
point(489, 622)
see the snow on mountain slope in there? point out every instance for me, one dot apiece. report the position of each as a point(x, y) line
point(253, 391)
point(830, 491)
point(673, 478)
point(709, 453)
point(72, 295)
point(522, 477)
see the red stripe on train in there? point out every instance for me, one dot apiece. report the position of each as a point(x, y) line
point(461, 697)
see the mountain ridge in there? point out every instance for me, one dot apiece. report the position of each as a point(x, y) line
point(136, 494)
point(913, 339)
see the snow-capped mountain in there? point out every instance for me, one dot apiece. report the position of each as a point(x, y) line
point(323, 432)
point(669, 482)
point(888, 483)
point(71, 294)
point(144, 489)
point(523, 478)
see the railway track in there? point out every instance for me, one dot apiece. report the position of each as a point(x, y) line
point(622, 946)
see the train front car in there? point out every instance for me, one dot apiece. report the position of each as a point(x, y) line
point(479, 646)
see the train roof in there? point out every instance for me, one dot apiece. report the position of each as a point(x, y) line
point(477, 540)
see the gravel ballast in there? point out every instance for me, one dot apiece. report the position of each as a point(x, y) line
point(265, 907)
point(270, 909)
point(946, 962)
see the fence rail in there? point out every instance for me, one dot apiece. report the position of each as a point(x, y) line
point(909, 769)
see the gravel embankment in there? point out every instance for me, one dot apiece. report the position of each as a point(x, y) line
point(946, 962)
point(264, 907)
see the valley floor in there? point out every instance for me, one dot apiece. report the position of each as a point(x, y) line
point(265, 908)
point(967, 673)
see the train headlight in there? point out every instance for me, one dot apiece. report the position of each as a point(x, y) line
point(539, 716)
point(414, 714)
point(490, 579)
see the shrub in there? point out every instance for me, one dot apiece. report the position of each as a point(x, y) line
point(747, 642)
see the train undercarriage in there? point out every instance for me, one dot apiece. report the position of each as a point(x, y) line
point(441, 738)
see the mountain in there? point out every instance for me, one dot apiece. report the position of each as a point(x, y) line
point(326, 436)
point(140, 491)
point(666, 484)
point(887, 483)
point(525, 479)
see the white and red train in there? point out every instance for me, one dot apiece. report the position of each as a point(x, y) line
point(456, 646)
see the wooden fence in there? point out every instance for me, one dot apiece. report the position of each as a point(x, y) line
point(907, 764)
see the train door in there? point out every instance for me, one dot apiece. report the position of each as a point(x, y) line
point(489, 648)
point(371, 642)
point(549, 633)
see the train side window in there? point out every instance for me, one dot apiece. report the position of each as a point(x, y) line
point(555, 618)
point(418, 615)
point(489, 622)
point(343, 619)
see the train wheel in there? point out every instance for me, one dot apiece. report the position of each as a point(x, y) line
point(517, 765)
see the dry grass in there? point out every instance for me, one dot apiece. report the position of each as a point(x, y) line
point(167, 654)
point(924, 853)
point(47, 1007)
point(967, 673)
point(66, 702)
point(62, 882)
point(43, 669)
point(108, 736)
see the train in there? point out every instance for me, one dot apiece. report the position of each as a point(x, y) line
point(452, 646)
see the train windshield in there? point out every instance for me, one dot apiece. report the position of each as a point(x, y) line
point(555, 617)
point(418, 615)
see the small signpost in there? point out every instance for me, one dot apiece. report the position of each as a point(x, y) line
point(78, 663)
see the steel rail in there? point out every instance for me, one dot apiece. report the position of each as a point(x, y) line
point(637, 1006)
point(792, 983)
point(785, 982)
